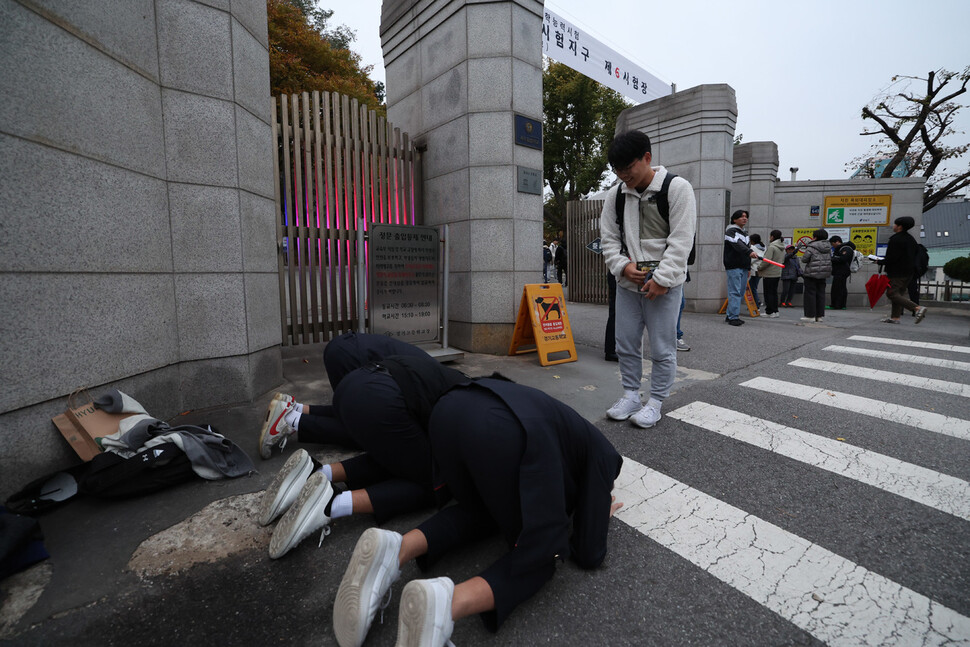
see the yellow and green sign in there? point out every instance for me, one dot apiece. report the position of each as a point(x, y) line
point(864, 239)
point(847, 210)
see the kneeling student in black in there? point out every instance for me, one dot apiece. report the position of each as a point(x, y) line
point(320, 423)
point(384, 408)
point(519, 463)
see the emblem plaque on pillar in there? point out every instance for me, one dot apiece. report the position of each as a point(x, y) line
point(528, 132)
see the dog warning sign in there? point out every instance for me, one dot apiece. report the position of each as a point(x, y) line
point(543, 325)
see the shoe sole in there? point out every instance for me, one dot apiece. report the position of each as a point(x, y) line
point(620, 418)
point(297, 523)
point(350, 621)
point(643, 426)
point(415, 627)
point(286, 486)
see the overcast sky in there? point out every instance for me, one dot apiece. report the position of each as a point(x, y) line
point(802, 71)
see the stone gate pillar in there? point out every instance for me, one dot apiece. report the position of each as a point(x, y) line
point(458, 72)
point(692, 134)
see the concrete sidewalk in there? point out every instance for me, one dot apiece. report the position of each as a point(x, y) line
point(109, 559)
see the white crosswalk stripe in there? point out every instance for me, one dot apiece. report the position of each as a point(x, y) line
point(836, 600)
point(927, 420)
point(900, 357)
point(913, 482)
point(912, 343)
point(914, 381)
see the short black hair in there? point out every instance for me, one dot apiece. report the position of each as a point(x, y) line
point(905, 222)
point(738, 214)
point(775, 234)
point(754, 239)
point(628, 147)
point(820, 234)
point(836, 239)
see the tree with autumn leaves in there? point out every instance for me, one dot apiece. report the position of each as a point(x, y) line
point(306, 55)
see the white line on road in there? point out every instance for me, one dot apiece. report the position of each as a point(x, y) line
point(945, 493)
point(830, 597)
point(900, 357)
point(914, 381)
point(915, 344)
point(949, 426)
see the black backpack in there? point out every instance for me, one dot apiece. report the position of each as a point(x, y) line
point(663, 206)
point(922, 260)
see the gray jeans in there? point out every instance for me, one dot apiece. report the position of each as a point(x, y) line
point(634, 312)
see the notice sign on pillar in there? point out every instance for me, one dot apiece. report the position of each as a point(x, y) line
point(543, 325)
point(403, 273)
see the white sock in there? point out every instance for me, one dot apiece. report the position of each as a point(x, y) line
point(298, 407)
point(655, 403)
point(633, 395)
point(292, 418)
point(328, 472)
point(342, 506)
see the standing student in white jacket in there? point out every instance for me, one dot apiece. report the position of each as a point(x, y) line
point(648, 257)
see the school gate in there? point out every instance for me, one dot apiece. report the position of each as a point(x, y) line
point(340, 168)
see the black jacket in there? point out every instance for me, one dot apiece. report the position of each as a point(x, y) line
point(841, 258)
point(352, 350)
point(900, 258)
point(567, 473)
point(737, 253)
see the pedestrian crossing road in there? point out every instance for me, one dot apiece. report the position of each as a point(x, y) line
point(887, 419)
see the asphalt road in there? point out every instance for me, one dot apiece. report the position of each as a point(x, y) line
point(775, 504)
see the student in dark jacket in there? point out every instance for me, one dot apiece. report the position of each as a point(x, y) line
point(385, 408)
point(737, 264)
point(789, 276)
point(519, 463)
point(900, 263)
point(319, 423)
point(841, 257)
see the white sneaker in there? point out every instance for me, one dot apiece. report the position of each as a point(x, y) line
point(373, 568)
point(286, 486)
point(307, 515)
point(624, 408)
point(682, 345)
point(811, 319)
point(275, 431)
point(649, 415)
point(424, 619)
point(773, 315)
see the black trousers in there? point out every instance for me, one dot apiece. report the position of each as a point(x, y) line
point(480, 459)
point(609, 342)
point(788, 289)
point(372, 414)
point(814, 297)
point(771, 294)
point(840, 293)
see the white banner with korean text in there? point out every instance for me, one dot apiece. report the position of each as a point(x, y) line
point(564, 42)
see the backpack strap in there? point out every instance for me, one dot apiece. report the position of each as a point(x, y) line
point(620, 201)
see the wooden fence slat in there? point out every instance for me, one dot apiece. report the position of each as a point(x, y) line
point(313, 230)
point(277, 134)
point(333, 237)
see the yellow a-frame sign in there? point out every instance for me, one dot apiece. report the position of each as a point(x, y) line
point(544, 324)
point(748, 301)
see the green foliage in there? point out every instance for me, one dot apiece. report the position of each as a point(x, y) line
point(580, 118)
point(914, 131)
point(958, 268)
point(305, 55)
